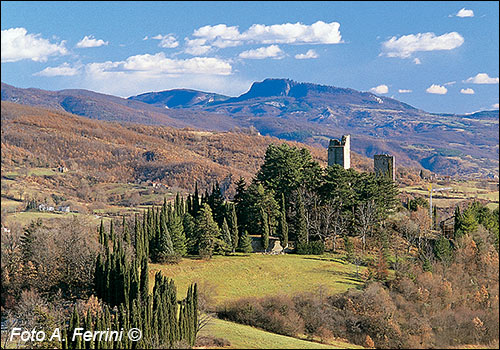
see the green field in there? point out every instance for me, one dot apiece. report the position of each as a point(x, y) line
point(253, 275)
point(246, 337)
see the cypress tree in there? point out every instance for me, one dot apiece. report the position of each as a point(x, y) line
point(233, 226)
point(144, 279)
point(283, 225)
point(196, 200)
point(126, 233)
point(264, 229)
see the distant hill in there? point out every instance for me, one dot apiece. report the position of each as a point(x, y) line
point(444, 143)
point(110, 152)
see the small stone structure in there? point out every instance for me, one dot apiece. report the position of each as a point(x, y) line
point(339, 152)
point(385, 165)
point(274, 245)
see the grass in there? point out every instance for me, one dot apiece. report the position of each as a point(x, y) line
point(246, 337)
point(253, 275)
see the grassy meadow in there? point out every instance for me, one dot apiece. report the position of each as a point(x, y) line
point(246, 337)
point(229, 278)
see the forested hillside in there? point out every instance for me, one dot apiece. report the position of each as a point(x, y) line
point(112, 152)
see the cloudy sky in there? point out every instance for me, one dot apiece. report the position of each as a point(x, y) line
point(437, 56)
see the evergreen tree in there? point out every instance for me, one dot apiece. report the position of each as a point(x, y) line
point(233, 226)
point(283, 225)
point(443, 249)
point(126, 233)
point(165, 245)
point(226, 245)
point(207, 231)
point(265, 229)
point(176, 229)
point(245, 243)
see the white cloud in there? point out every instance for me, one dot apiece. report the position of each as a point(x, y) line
point(449, 83)
point(63, 70)
point(159, 64)
point(197, 47)
point(309, 54)
point(90, 41)
point(465, 13)
point(482, 78)
point(272, 51)
point(221, 35)
point(18, 45)
point(406, 45)
point(404, 91)
point(495, 105)
point(295, 33)
point(381, 89)
point(417, 61)
point(167, 41)
point(437, 89)
point(467, 91)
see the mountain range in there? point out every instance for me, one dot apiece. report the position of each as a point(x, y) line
point(464, 145)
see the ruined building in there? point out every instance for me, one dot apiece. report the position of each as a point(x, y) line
point(384, 165)
point(339, 152)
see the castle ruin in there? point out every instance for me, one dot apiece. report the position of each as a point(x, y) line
point(384, 165)
point(339, 152)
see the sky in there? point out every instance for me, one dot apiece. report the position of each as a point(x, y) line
point(441, 57)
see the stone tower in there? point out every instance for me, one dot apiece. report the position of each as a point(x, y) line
point(339, 152)
point(385, 165)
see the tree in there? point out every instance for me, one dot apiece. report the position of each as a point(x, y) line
point(302, 234)
point(207, 231)
point(286, 168)
point(366, 219)
point(245, 245)
point(232, 221)
point(283, 225)
point(225, 245)
point(176, 229)
point(265, 229)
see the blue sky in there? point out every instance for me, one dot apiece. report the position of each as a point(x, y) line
point(437, 56)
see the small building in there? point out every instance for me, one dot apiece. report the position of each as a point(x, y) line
point(273, 248)
point(339, 152)
point(63, 208)
point(45, 207)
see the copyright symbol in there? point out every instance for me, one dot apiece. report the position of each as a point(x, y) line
point(134, 334)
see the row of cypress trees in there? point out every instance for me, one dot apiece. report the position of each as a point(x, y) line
point(121, 281)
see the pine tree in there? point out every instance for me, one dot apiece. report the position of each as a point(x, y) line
point(207, 231)
point(176, 230)
point(245, 244)
point(225, 238)
point(165, 245)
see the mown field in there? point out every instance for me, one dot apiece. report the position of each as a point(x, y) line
point(246, 337)
point(229, 278)
point(458, 192)
point(226, 278)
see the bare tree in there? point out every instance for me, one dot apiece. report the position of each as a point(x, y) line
point(366, 218)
